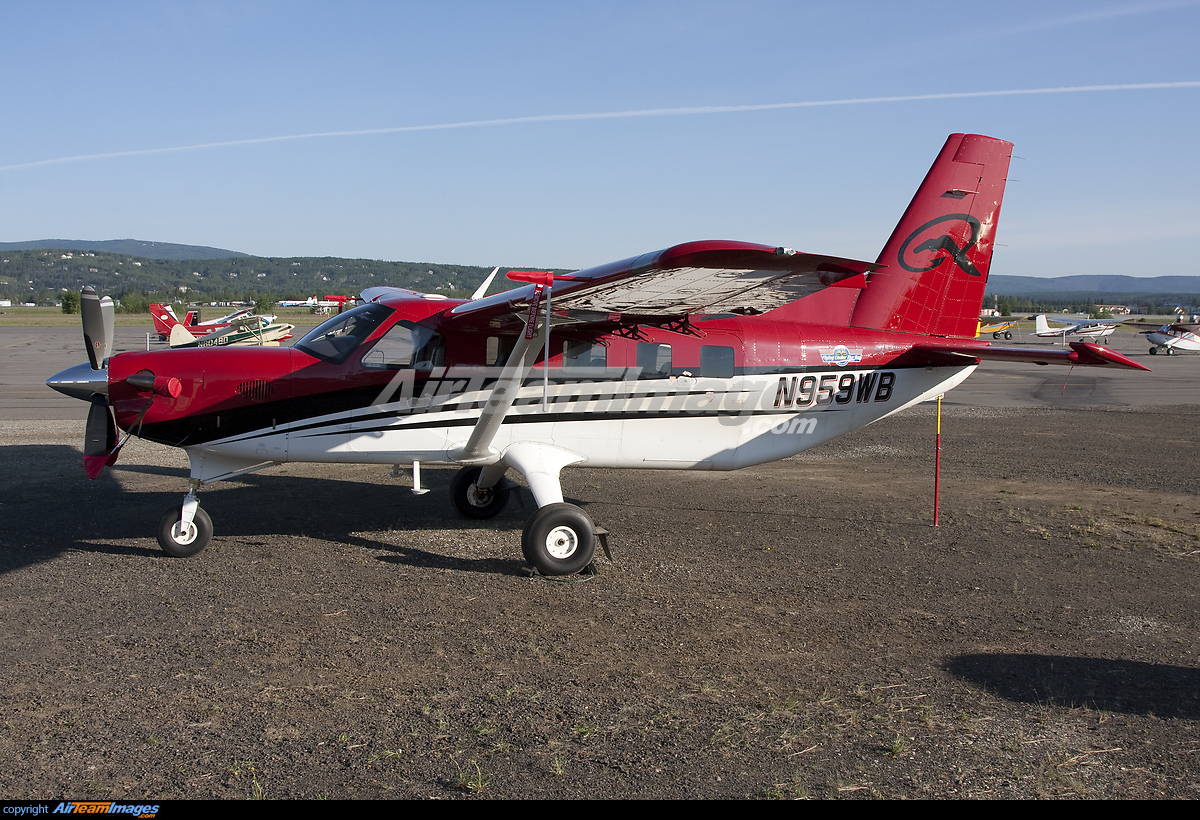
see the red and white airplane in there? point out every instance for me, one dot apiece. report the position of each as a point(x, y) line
point(164, 319)
point(704, 356)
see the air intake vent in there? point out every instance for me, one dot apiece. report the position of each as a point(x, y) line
point(257, 390)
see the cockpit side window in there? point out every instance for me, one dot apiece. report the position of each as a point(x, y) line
point(406, 345)
point(336, 338)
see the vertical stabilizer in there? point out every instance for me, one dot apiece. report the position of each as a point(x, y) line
point(937, 260)
point(180, 336)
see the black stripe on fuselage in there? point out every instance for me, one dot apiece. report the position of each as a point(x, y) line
point(260, 420)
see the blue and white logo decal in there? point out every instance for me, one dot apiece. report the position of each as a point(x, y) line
point(841, 356)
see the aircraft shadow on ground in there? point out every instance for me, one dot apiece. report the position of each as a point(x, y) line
point(1129, 687)
point(47, 518)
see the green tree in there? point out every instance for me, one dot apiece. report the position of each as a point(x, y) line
point(70, 302)
point(264, 303)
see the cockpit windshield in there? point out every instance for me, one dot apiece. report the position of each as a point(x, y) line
point(336, 338)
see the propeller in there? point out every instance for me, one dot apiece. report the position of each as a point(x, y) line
point(100, 437)
point(90, 383)
point(98, 323)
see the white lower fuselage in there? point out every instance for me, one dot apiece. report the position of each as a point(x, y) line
point(1178, 341)
point(677, 423)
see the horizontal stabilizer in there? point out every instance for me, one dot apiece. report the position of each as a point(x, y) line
point(1083, 354)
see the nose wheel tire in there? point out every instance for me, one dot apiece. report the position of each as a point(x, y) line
point(181, 541)
point(559, 539)
point(473, 501)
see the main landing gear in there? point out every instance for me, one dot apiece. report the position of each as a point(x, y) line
point(558, 539)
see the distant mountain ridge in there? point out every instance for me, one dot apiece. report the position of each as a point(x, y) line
point(1028, 285)
point(998, 285)
point(130, 247)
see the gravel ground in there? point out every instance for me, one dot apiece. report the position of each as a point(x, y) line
point(797, 629)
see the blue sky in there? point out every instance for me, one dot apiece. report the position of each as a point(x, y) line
point(1106, 181)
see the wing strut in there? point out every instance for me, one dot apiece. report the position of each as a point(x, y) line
point(478, 449)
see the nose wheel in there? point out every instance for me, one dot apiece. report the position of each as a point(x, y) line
point(183, 539)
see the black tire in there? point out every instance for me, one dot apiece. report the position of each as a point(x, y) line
point(170, 539)
point(1154, 351)
point(1008, 334)
point(475, 502)
point(559, 539)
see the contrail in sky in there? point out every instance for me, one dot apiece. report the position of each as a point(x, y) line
point(609, 115)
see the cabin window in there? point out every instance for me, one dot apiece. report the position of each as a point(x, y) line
point(499, 348)
point(584, 354)
point(336, 338)
point(405, 346)
point(654, 360)
point(716, 361)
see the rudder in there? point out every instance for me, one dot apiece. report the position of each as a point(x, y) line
point(937, 260)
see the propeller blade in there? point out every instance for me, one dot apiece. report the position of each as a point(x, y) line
point(106, 311)
point(97, 325)
point(100, 438)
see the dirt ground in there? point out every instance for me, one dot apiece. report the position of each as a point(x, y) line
point(792, 630)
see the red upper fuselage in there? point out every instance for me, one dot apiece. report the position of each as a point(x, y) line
point(230, 390)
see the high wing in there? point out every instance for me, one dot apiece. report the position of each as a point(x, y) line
point(696, 277)
point(655, 288)
point(1177, 327)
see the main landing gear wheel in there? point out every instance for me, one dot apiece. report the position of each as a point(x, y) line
point(1008, 334)
point(180, 541)
point(559, 539)
point(474, 501)
point(1154, 351)
point(996, 335)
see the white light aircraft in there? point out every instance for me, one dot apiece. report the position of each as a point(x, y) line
point(1087, 328)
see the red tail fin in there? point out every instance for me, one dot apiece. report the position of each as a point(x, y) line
point(163, 318)
point(937, 260)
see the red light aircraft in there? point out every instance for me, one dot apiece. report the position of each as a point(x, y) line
point(164, 319)
point(709, 355)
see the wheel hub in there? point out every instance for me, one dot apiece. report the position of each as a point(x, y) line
point(562, 542)
point(184, 534)
point(479, 496)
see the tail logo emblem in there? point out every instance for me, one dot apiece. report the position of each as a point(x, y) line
point(909, 257)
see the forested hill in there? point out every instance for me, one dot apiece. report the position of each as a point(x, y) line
point(42, 276)
point(131, 247)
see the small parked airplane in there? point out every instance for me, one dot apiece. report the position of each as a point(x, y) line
point(997, 329)
point(338, 302)
point(1171, 338)
point(709, 355)
point(247, 329)
point(164, 319)
point(1089, 328)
